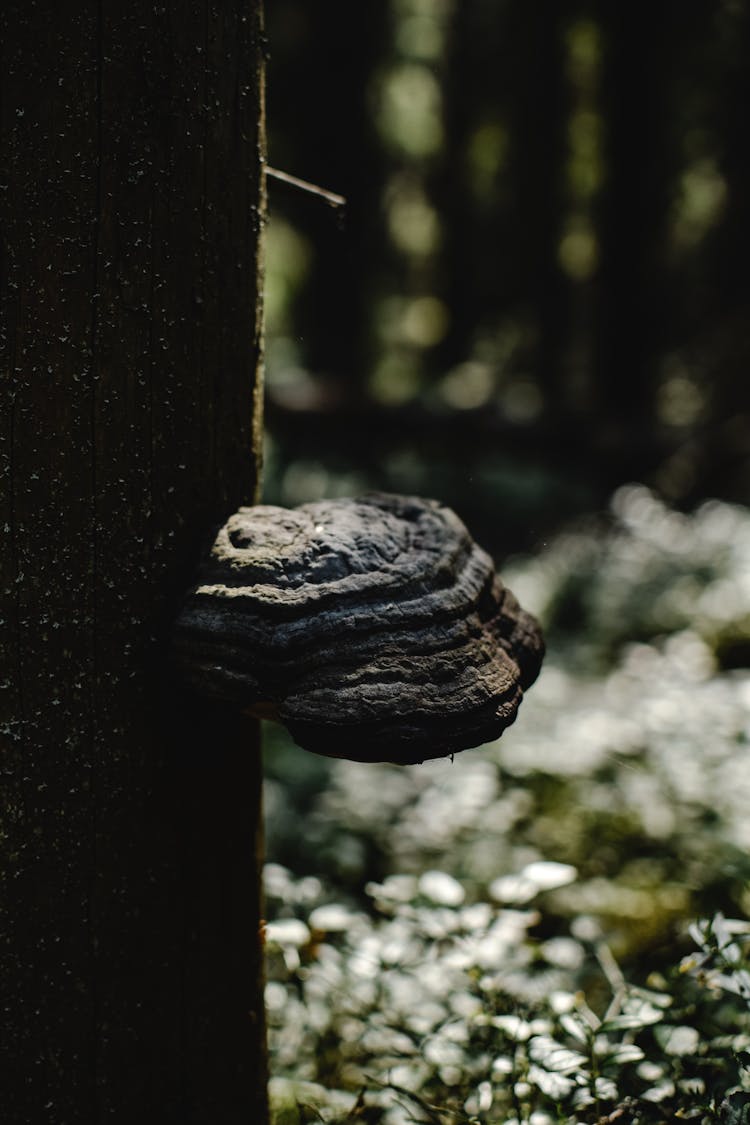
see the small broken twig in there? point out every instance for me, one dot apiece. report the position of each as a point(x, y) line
point(329, 197)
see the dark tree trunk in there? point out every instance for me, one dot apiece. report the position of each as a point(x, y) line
point(634, 302)
point(541, 120)
point(720, 316)
point(132, 141)
point(507, 69)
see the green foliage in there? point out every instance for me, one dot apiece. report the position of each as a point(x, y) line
point(515, 955)
point(432, 1010)
point(652, 572)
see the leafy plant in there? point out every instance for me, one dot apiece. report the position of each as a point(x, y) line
point(499, 940)
point(463, 1013)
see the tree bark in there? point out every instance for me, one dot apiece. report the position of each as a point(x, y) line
point(130, 812)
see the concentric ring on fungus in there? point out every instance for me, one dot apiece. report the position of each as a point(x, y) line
point(374, 628)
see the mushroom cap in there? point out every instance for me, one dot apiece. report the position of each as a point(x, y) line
point(375, 628)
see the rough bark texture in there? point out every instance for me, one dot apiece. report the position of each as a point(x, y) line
point(376, 628)
point(130, 207)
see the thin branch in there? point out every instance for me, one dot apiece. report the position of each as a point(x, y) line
point(329, 197)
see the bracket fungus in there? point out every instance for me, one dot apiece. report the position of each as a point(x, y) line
point(374, 628)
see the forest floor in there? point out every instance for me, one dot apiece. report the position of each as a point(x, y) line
point(516, 936)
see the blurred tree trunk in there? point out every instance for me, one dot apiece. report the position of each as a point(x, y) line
point(132, 140)
point(720, 317)
point(326, 133)
point(542, 121)
point(633, 306)
point(476, 286)
point(507, 93)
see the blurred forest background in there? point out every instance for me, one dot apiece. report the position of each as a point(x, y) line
point(538, 294)
point(539, 288)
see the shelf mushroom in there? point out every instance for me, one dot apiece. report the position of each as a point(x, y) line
point(373, 628)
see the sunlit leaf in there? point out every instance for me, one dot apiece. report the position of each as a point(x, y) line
point(622, 1053)
point(679, 1040)
point(546, 874)
point(554, 1084)
point(287, 931)
point(575, 1027)
point(441, 888)
point(555, 1056)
